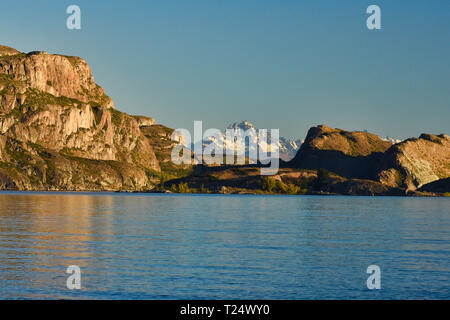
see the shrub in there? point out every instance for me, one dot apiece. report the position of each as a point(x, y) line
point(293, 189)
point(204, 190)
point(271, 185)
point(268, 184)
point(182, 188)
point(323, 179)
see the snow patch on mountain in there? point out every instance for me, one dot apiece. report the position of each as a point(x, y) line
point(287, 147)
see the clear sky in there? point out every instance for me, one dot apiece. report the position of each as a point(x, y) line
point(281, 64)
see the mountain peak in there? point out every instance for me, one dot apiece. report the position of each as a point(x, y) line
point(244, 125)
point(287, 147)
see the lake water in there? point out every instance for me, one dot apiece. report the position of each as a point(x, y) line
point(157, 246)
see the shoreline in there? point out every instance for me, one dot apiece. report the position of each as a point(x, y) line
point(156, 192)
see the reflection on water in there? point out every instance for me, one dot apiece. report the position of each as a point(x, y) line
point(147, 246)
point(40, 234)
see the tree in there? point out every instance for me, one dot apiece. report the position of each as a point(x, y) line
point(268, 184)
point(323, 178)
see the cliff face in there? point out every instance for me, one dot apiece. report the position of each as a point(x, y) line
point(350, 143)
point(59, 130)
point(60, 76)
point(416, 162)
point(359, 155)
point(350, 154)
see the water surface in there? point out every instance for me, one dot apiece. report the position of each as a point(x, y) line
point(155, 246)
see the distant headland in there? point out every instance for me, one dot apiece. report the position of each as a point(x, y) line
point(60, 131)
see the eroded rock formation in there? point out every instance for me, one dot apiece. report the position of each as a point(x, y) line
point(350, 154)
point(409, 164)
point(416, 162)
point(60, 131)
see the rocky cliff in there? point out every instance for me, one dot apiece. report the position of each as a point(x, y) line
point(408, 165)
point(350, 154)
point(416, 162)
point(60, 131)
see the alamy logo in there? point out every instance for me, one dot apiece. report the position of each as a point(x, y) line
point(374, 280)
point(374, 20)
point(74, 20)
point(213, 147)
point(74, 281)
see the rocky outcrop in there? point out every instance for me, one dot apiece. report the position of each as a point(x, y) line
point(160, 138)
point(144, 121)
point(59, 130)
point(416, 162)
point(360, 155)
point(60, 76)
point(349, 154)
point(7, 51)
point(31, 167)
point(363, 188)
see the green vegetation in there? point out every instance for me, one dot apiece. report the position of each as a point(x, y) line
point(116, 117)
point(98, 100)
point(39, 98)
point(22, 164)
point(268, 184)
point(49, 161)
point(9, 84)
point(182, 188)
point(158, 137)
point(7, 79)
point(168, 172)
point(376, 147)
point(271, 185)
point(17, 153)
point(72, 59)
point(173, 171)
point(354, 149)
point(323, 179)
point(203, 189)
point(37, 101)
point(11, 58)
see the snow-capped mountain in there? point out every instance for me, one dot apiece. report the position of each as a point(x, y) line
point(287, 147)
point(392, 140)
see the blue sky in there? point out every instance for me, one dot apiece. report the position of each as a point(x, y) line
point(281, 64)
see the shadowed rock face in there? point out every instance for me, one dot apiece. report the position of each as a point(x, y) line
point(439, 186)
point(349, 154)
point(58, 129)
